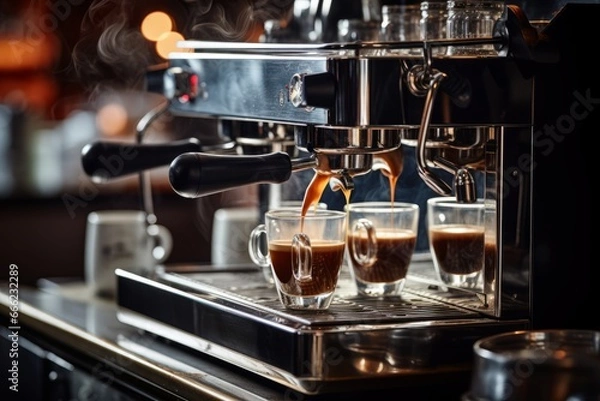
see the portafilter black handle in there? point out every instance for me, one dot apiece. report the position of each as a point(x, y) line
point(103, 161)
point(193, 175)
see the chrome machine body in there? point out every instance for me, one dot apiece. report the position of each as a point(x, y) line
point(513, 122)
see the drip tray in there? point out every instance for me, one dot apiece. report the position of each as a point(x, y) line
point(235, 316)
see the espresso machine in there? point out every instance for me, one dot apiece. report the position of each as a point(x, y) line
point(508, 126)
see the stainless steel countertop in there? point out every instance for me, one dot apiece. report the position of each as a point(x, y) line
point(73, 318)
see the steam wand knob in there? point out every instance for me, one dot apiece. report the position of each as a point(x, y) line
point(464, 183)
point(464, 186)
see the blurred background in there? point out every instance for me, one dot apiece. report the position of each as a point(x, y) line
point(72, 72)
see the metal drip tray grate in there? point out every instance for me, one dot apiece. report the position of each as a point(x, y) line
point(251, 290)
point(236, 316)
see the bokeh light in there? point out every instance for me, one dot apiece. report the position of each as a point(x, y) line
point(156, 24)
point(112, 119)
point(167, 43)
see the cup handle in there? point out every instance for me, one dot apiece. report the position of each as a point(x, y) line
point(301, 257)
point(163, 242)
point(368, 258)
point(255, 249)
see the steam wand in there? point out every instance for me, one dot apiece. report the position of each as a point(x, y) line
point(425, 80)
point(144, 178)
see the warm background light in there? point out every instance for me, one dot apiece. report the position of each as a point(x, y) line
point(112, 119)
point(167, 43)
point(156, 24)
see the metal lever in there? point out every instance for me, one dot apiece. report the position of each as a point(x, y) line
point(105, 160)
point(143, 176)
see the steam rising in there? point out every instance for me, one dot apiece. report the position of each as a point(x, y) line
point(235, 19)
point(113, 54)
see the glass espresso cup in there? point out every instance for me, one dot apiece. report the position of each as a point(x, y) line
point(381, 241)
point(457, 240)
point(287, 205)
point(305, 254)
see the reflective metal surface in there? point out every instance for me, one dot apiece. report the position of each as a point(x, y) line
point(357, 339)
point(83, 326)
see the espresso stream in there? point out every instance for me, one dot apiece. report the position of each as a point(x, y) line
point(395, 262)
point(391, 165)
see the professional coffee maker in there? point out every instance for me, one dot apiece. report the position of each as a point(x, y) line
point(507, 126)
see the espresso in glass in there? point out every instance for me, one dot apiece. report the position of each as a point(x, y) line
point(491, 256)
point(305, 254)
point(381, 241)
point(394, 253)
point(458, 248)
point(327, 257)
point(380, 269)
point(457, 240)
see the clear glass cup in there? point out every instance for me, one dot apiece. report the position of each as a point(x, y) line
point(380, 245)
point(305, 254)
point(472, 19)
point(289, 205)
point(434, 15)
point(354, 30)
point(457, 240)
point(401, 23)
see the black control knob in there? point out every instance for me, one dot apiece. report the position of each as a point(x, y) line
point(312, 90)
